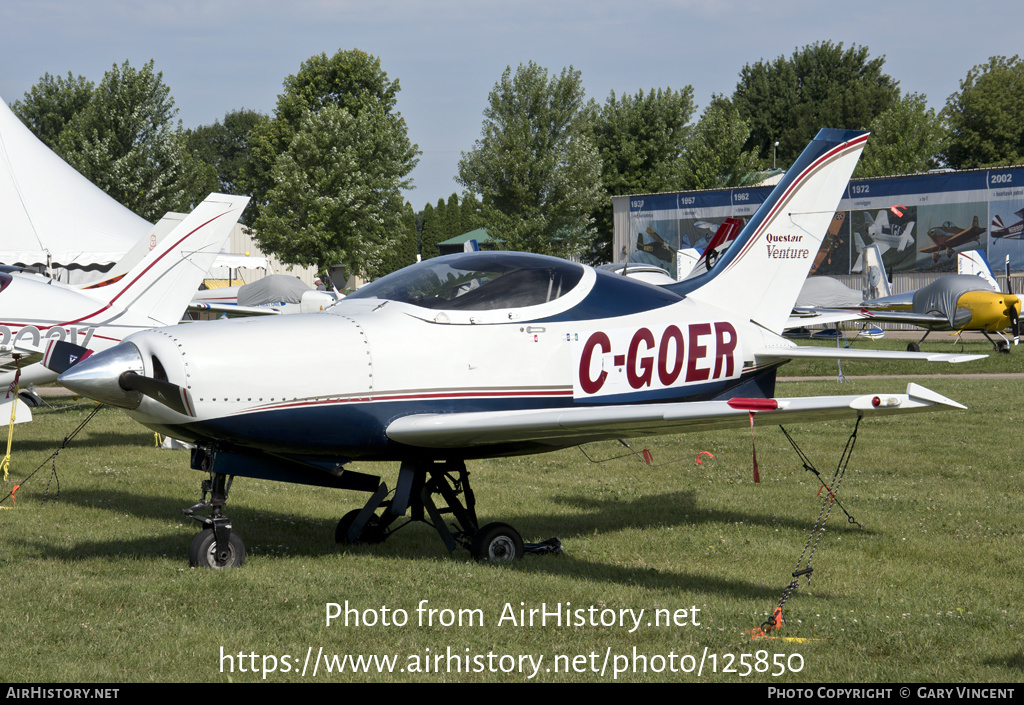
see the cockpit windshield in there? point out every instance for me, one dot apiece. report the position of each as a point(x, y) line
point(477, 281)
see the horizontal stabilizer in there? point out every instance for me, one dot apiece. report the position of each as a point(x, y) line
point(805, 353)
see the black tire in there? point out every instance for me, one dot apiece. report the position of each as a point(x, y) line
point(497, 542)
point(371, 533)
point(30, 398)
point(913, 347)
point(202, 552)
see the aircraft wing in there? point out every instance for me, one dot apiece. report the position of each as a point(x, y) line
point(573, 426)
point(233, 310)
point(923, 320)
point(25, 358)
point(809, 316)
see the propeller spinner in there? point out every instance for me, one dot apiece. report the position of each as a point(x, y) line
point(117, 377)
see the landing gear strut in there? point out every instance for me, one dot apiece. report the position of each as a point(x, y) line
point(418, 483)
point(216, 546)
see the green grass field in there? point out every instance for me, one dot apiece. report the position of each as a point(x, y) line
point(928, 588)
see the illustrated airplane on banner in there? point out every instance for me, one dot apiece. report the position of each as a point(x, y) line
point(488, 354)
point(949, 236)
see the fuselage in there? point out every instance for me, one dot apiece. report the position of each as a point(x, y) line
point(330, 383)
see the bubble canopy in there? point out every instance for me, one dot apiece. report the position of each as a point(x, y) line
point(478, 281)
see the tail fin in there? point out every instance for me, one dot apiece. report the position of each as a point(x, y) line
point(135, 255)
point(759, 277)
point(164, 281)
point(728, 231)
point(876, 284)
point(907, 238)
point(858, 243)
point(974, 262)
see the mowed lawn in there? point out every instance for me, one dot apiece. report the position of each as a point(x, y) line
point(918, 577)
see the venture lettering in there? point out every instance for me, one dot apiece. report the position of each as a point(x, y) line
point(788, 251)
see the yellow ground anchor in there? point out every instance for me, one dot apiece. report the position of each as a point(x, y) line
point(12, 393)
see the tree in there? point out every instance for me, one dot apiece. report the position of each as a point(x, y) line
point(226, 147)
point(715, 156)
point(822, 85)
point(431, 233)
point(641, 140)
point(51, 104)
point(404, 251)
point(337, 194)
point(453, 217)
point(349, 79)
point(471, 213)
point(123, 138)
point(984, 116)
point(328, 167)
point(905, 139)
point(535, 165)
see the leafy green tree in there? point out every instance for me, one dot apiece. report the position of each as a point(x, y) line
point(535, 165)
point(822, 85)
point(985, 123)
point(51, 104)
point(471, 213)
point(337, 194)
point(431, 233)
point(641, 140)
point(404, 251)
point(441, 214)
point(905, 139)
point(350, 79)
point(453, 215)
point(226, 148)
point(715, 156)
point(123, 138)
point(326, 169)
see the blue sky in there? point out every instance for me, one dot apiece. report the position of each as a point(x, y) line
point(448, 54)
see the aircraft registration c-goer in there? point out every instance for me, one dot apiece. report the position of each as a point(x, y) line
point(662, 359)
point(488, 354)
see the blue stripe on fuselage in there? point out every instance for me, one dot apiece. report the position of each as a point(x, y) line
point(356, 430)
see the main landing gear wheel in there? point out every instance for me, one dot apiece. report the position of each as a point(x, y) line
point(373, 532)
point(203, 551)
point(497, 542)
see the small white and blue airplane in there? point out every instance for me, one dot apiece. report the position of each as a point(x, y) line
point(488, 354)
point(882, 235)
point(151, 290)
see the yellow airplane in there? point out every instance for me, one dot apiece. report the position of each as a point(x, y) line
point(967, 301)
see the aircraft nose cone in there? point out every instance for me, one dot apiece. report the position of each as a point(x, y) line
point(98, 376)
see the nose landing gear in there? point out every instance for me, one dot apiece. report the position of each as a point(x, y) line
point(216, 546)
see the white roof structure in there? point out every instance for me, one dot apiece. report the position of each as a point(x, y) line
point(49, 209)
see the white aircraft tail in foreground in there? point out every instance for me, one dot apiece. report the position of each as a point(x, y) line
point(487, 354)
point(154, 292)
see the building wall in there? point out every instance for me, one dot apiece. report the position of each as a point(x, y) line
point(920, 221)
